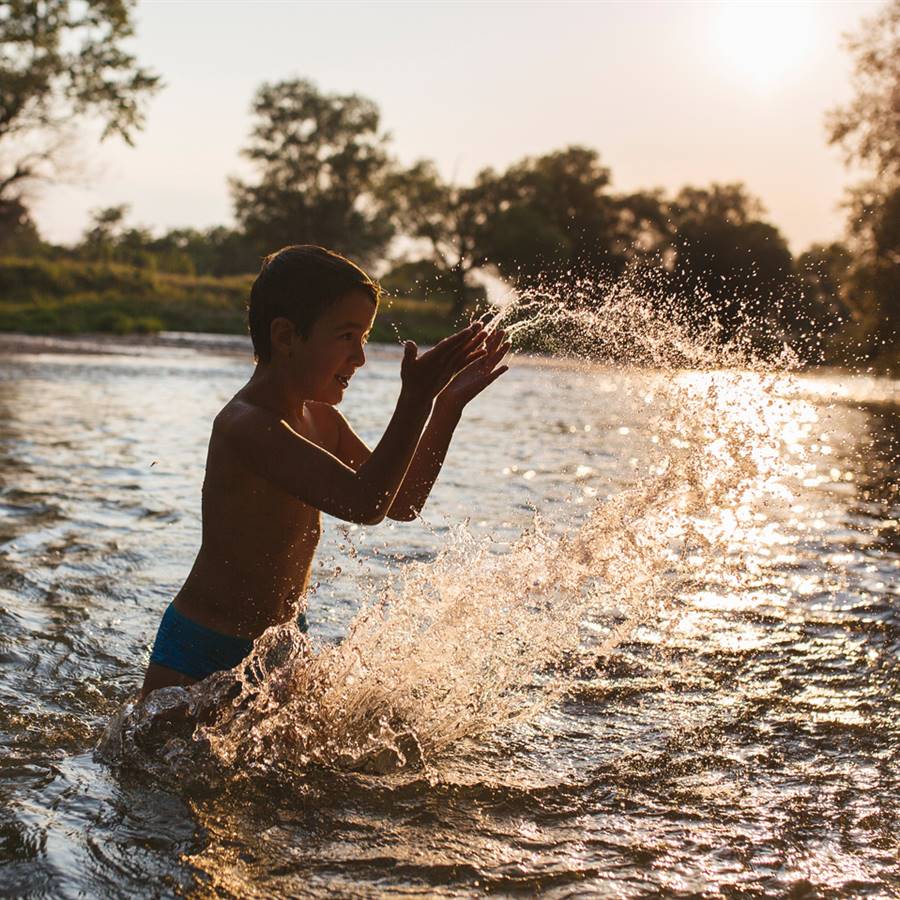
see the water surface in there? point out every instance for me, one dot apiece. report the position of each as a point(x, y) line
point(743, 743)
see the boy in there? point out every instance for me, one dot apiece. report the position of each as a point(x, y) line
point(280, 454)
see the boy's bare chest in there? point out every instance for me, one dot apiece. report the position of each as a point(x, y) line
point(242, 498)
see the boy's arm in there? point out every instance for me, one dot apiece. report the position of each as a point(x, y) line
point(432, 449)
point(272, 449)
point(424, 468)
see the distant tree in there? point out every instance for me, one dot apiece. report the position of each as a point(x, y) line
point(449, 220)
point(729, 266)
point(18, 233)
point(868, 129)
point(62, 60)
point(823, 271)
point(319, 160)
point(551, 213)
point(548, 215)
point(215, 251)
point(100, 239)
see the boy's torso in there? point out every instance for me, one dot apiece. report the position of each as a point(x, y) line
point(258, 541)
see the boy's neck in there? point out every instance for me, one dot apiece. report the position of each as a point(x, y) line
point(273, 389)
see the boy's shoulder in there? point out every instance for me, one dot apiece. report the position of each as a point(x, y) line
point(320, 422)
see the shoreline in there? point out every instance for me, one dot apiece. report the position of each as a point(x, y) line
point(238, 345)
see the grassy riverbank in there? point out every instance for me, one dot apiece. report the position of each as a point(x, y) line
point(44, 297)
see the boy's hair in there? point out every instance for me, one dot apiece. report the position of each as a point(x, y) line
point(299, 283)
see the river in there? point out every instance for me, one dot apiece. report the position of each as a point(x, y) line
point(740, 737)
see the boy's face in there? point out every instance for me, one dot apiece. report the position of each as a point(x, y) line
point(325, 362)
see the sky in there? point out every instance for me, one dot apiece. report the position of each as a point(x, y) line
point(669, 93)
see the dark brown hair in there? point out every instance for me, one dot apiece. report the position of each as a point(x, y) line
point(299, 283)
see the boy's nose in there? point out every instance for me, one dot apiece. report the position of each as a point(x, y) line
point(359, 357)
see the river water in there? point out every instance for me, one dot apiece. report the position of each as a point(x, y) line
point(725, 724)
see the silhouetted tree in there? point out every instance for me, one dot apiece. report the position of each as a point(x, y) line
point(548, 215)
point(868, 129)
point(449, 219)
point(551, 213)
point(822, 273)
point(319, 159)
point(18, 233)
point(729, 265)
point(62, 60)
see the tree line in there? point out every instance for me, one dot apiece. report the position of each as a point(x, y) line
point(323, 172)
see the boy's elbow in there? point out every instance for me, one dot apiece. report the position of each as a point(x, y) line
point(375, 512)
point(403, 515)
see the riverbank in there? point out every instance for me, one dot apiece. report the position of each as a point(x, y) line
point(65, 297)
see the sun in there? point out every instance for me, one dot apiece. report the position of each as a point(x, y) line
point(763, 44)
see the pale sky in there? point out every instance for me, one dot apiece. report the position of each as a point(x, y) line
point(669, 93)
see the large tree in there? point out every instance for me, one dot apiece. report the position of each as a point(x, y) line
point(319, 159)
point(554, 214)
point(62, 61)
point(729, 265)
point(868, 129)
point(450, 220)
point(549, 215)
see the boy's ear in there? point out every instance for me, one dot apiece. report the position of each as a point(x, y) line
point(282, 333)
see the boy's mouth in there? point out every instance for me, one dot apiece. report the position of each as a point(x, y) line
point(343, 380)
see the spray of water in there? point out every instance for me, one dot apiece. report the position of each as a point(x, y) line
point(475, 640)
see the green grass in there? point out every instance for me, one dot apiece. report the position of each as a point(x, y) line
point(66, 297)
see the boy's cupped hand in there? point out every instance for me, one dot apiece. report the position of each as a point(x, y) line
point(425, 376)
point(473, 378)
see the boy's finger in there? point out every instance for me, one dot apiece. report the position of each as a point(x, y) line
point(477, 342)
point(467, 360)
point(463, 335)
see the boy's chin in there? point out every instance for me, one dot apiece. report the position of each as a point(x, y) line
point(332, 395)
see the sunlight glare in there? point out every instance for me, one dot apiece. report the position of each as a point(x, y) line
point(763, 43)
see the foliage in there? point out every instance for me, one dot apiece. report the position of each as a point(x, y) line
point(729, 265)
point(40, 296)
point(450, 219)
point(217, 251)
point(318, 159)
point(868, 129)
point(62, 60)
point(18, 233)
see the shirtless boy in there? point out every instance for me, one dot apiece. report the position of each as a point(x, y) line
point(281, 454)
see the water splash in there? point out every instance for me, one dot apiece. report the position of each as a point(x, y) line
point(476, 640)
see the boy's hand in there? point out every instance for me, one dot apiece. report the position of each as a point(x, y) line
point(478, 374)
point(425, 376)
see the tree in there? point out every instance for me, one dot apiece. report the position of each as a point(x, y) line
point(450, 219)
point(552, 212)
point(100, 238)
point(868, 129)
point(319, 160)
point(545, 215)
point(18, 233)
point(729, 266)
point(63, 60)
point(823, 271)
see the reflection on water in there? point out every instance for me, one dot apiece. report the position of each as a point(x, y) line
point(742, 742)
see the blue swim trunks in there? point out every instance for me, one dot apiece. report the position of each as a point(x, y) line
point(197, 651)
point(194, 650)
